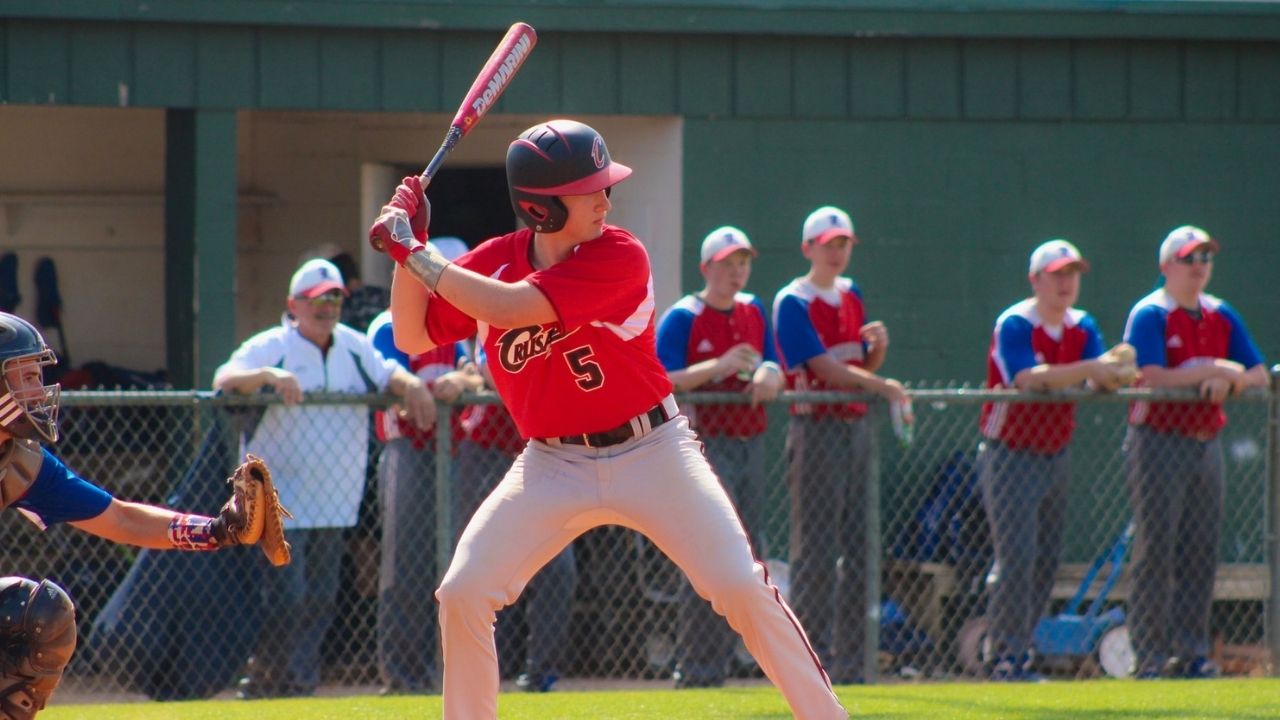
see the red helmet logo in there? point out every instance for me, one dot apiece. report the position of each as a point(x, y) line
point(597, 151)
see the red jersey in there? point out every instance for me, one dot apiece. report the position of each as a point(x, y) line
point(594, 369)
point(691, 331)
point(1167, 335)
point(1022, 341)
point(811, 321)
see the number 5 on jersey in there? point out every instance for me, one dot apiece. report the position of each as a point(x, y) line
point(586, 370)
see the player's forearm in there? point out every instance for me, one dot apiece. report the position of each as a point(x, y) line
point(130, 523)
point(848, 377)
point(500, 304)
point(1053, 377)
point(409, 300)
point(875, 358)
point(694, 376)
point(1156, 376)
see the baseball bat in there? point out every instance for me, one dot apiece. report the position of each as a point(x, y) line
point(488, 86)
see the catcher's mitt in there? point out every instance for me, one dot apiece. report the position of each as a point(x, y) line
point(1124, 359)
point(254, 514)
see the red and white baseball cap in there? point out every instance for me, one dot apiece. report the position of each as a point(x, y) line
point(316, 277)
point(1185, 240)
point(723, 242)
point(1056, 255)
point(825, 224)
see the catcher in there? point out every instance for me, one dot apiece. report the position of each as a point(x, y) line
point(37, 619)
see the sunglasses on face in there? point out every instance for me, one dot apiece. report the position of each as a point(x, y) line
point(1204, 257)
point(333, 297)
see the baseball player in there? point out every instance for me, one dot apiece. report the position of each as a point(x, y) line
point(407, 495)
point(490, 442)
point(827, 343)
point(37, 619)
point(564, 309)
point(1184, 337)
point(1024, 465)
point(719, 339)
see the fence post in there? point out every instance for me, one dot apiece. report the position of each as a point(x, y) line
point(871, 510)
point(1273, 522)
point(444, 487)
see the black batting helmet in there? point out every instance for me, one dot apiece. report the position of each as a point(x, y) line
point(554, 158)
point(26, 409)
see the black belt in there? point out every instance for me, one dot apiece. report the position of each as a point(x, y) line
point(657, 415)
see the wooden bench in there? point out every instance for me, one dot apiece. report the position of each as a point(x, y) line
point(923, 588)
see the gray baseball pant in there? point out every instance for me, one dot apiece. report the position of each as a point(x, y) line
point(1025, 497)
point(827, 477)
point(1175, 487)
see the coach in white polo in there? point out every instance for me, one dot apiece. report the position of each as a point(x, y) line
point(317, 455)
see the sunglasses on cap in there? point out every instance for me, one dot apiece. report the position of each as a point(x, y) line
point(1203, 257)
point(333, 297)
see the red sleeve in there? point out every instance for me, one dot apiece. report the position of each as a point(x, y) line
point(606, 279)
point(446, 323)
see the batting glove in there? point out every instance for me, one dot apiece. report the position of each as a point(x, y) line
point(411, 198)
point(393, 234)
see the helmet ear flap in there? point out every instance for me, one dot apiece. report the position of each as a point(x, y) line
point(534, 210)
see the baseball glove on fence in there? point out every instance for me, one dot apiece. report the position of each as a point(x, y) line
point(253, 515)
point(1124, 360)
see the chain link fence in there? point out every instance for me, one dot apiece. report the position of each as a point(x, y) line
point(887, 550)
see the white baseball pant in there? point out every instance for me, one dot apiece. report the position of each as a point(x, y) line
point(659, 485)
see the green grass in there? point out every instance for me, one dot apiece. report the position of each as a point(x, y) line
point(1096, 700)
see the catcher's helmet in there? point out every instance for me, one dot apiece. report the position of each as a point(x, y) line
point(25, 408)
point(558, 157)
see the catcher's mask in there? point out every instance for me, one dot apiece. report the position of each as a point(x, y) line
point(27, 405)
point(558, 157)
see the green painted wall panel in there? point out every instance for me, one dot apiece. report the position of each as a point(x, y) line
point(820, 78)
point(349, 71)
point(878, 79)
point(933, 79)
point(705, 77)
point(1211, 81)
point(1260, 82)
point(289, 69)
point(1044, 80)
point(537, 88)
point(39, 57)
point(461, 57)
point(589, 75)
point(226, 66)
point(101, 65)
point(990, 79)
point(762, 75)
point(1101, 85)
point(410, 78)
point(646, 75)
point(164, 60)
point(4, 61)
point(1155, 81)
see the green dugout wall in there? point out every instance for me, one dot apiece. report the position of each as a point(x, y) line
point(957, 135)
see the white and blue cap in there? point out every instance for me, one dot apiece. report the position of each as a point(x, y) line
point(316, 277)
point(723, 242)
point(826, 224)
point(1056, 255)
point(1183, 241)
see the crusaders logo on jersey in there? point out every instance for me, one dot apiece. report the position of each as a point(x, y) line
point(520, 345)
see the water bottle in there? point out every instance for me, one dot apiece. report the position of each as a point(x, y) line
point(903, 419)
point(746, 375)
